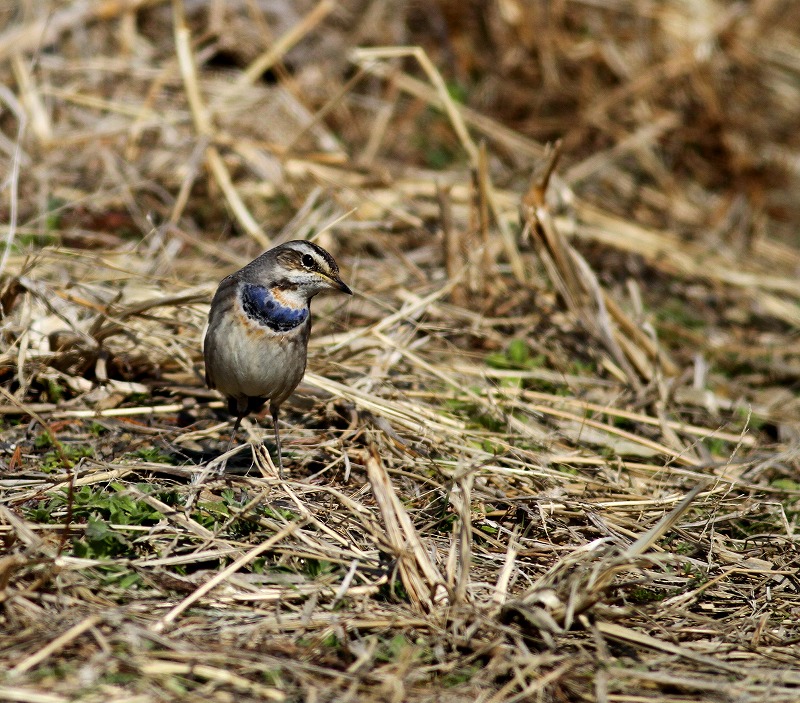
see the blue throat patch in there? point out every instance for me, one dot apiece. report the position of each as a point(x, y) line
point(260, 305)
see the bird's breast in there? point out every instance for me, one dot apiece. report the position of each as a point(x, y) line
point(247, 358)
point(269, 310)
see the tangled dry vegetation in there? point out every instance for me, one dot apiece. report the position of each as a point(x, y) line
point(549, 451)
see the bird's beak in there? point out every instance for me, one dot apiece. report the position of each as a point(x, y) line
point(337, 283)
point(342, 286)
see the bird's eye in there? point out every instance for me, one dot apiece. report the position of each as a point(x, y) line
point(308, 261)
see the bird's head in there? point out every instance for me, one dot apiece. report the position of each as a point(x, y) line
point(304, 267)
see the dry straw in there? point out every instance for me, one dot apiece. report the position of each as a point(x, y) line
point(549, 452)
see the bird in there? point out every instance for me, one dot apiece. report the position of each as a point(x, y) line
point(256, 342)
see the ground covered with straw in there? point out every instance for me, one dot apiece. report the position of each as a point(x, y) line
point(550, 451)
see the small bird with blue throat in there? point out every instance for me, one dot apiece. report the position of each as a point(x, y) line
point(256, 342)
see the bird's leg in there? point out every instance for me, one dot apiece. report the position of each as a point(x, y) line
point(273, 409)
point(236, 424)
